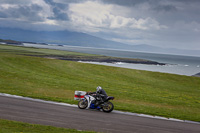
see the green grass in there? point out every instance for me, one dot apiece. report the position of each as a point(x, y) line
point(37, 51)
point(153, 93)
point(7, 126)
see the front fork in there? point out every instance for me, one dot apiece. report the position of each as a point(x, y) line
point(89, 101)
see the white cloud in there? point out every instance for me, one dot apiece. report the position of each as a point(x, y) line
point(31, 12)
point(90, 14)
point(48, 22)
point(148, 23)
point(97, 16)
point(166, 23)
point(7, 6)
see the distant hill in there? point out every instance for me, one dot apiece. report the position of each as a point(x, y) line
point(84, 40)
point(10, 42)
point(58, 37)
point(197, 75)
point(153, 49)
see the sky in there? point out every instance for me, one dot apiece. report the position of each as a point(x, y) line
point(162, 23)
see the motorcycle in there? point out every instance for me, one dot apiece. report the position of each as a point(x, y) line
point(90, 101)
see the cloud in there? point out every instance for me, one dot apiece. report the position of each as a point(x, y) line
point(59, 10)
point(21, 12)
point(131, 3)
point(155, 22)
point(32, 11)
point(14, 2)
point(165, 8)
point(96, 16)
point(124, 2)
point(32, 15)
point(187, 27)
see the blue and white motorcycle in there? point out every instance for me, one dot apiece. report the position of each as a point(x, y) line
point(90, 102)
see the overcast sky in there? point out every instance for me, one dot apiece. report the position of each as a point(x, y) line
point(163, 23)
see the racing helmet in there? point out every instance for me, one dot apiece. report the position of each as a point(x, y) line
point(99, 88)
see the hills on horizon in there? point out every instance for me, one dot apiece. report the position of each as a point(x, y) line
point(84, 40)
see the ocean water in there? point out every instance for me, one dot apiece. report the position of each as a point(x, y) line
point(176, 64)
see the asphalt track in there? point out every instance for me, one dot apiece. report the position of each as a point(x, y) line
point(37, 112)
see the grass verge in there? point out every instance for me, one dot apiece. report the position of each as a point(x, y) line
point(7, 126)
point(153, 93)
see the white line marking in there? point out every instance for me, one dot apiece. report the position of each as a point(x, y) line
point(37, 100)
point(114, 111)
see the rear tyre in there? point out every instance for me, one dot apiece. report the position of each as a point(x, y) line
point(108, 107)
point(82, 104)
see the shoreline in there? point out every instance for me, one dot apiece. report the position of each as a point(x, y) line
point(109, 60)
point(96, 58)
point(105, 59)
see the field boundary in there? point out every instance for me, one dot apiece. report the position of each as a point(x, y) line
point(114, 111)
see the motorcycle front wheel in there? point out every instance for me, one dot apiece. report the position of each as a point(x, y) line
point(82, 104)
point(108, 107)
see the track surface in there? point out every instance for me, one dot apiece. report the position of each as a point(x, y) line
point(92, 120)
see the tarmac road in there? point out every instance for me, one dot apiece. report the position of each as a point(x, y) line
point(92, 120)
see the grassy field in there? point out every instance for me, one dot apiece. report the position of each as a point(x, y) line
point(7, 126)
point(137, 91)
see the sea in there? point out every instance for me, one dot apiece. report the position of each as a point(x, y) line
point(175, 64)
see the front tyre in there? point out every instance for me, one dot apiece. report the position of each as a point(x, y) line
point(82, 104)
point(108, 107)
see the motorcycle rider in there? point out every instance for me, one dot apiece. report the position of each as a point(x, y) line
point(102, 92)
point(100, 95)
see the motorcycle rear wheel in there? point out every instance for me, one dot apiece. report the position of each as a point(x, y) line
point(82, 104)
point(108, 107)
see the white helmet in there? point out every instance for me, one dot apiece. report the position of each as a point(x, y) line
point(99, 88)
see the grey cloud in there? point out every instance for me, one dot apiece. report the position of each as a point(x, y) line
point(152, 2)
point(165, 8)
point(24, 2)
point(3, 15)
point(125, 2)
point(187, 1)
point(58, 10)
point(30, 12)
point(55, 4)
point(59, 15)
point(156, 5)
point(25, 12)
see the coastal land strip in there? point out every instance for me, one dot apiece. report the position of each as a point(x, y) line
point(82, 57)
point(106, 59)
point(89, 58)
